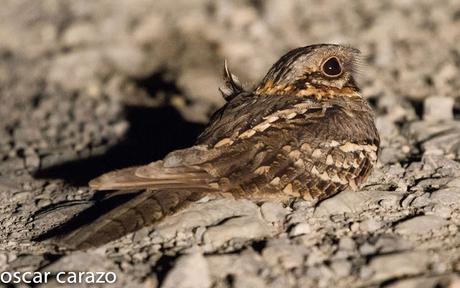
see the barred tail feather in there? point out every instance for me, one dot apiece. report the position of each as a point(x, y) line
point(145, 209)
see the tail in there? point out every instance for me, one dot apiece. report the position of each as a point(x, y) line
point(144, 209)
point(167, 189)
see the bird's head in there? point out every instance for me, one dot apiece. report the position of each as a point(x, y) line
point(322, 71)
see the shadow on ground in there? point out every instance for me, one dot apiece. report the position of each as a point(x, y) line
point(153, 132)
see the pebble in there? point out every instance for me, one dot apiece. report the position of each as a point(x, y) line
point(438, 108)
point(371, 225)
point(3, 261)
point(341, 268)
point(8, 184)
point(273, 212)
point(189, 271)
point(420, 225)
point(347, 243)
point(367, 249)
point(32, 161)
point(382, 267)
point(242, 228)
point(301, 229)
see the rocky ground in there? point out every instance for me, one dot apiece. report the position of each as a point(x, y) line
point(89, 86)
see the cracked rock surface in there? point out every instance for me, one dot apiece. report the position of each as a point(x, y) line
point(89, 86)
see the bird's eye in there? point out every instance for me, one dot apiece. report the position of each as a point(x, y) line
point(332, 67)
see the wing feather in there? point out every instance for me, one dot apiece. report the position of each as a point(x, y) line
point(154, 176)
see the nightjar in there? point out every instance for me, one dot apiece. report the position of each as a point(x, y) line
point(305, 131)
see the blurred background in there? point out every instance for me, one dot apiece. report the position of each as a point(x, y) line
point(90, 86)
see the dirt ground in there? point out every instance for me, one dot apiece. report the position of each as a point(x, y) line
point(90, 86)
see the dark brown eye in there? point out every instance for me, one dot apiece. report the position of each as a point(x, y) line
point(332, 67)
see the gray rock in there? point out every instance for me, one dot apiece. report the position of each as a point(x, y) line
point(240, 229)
point(371, 225)
point(420, 225)
point(8, 184)
point(391, 266)
point(341, 268)
point(441, 166)
point(189, 271)
point(282, 253)
point(274, 212)
point(356, 201)
point(249, 281)
point(347, 243)
point(32, 161)
point(367, 249)
point(420, 282)
point(205, 215)
point(446, 196)
point(438, 108)
point(454, 183)
point(301, 229)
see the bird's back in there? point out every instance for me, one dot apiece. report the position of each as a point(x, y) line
point(285, 145)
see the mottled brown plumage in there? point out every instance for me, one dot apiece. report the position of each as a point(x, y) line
point(304, 131)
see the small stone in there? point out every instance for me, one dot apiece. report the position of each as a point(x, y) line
point(454, 183)
point(213, 214)
point(32, 161)
point(438, 108)
point(43, 203)
point(385, 267)
point(347, 243)
point(301, 229)
point(3, 261)
point(371, 225)
point(284, 253)
point(189, 271)
point(355, 227)
point(441, 166)
point(341, 268)
point(453, 228)
point(405, 149)
point(249, 281)
point(352, 202)
point(241, 228)
point(420, 225)
point(139, 257)
point(442, 211)
point(367, 249)
point(141, 235)
point(79, 34)
point(7, 184)
point(20, 196)
point(273, 212)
